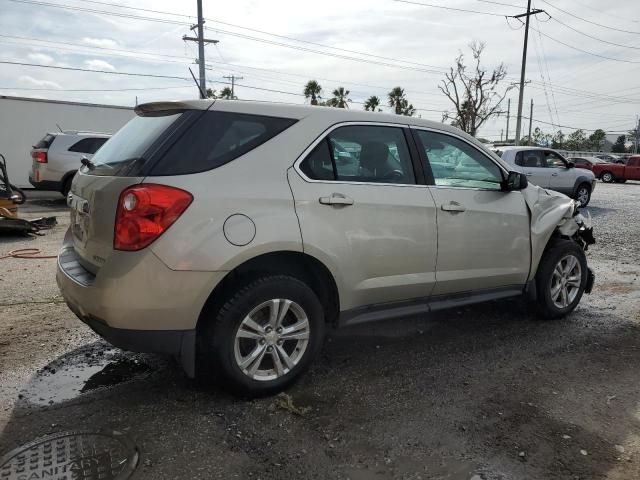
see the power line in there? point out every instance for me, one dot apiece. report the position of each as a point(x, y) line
point(425, 68)
point(590, 21)
point(585, 51)
point(77, 69)
point(450, 8)
point(600, 12)
point(500, 3)
point(593, 37)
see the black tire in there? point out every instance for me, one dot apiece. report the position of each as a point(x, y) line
point(219, 336)
point(556, 251)
point(585, 189)
point(607, 177)
point(66, 186)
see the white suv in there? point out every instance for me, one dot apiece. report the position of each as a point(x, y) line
point(57, 158)
point(546, 168)
point(230, 233)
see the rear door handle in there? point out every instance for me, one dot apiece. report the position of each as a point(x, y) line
point(453, 207)
point(528, 174)
point(336, 199)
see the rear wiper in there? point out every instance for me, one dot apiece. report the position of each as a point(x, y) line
point(87, 163)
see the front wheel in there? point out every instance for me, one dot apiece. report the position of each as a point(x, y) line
point(265, 336)
point(561, 278)
point(607, 177)
point(583, 195)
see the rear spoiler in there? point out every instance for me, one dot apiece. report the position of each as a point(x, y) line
point(159, 109)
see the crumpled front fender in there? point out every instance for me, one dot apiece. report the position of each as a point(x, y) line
point(549, 210)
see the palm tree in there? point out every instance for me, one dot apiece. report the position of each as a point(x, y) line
point(372, 103)
point(211, 93)
point(227, 94)
point(400, 104)
point(340, 98)
point(312, 90)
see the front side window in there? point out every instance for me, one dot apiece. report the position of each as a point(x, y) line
point(455, 163)
point(553, 160)
point(361, 153)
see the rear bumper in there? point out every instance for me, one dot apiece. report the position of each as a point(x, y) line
point(136, 302)
point(45, 184)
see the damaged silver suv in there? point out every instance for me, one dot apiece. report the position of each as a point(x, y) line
point(231, 234)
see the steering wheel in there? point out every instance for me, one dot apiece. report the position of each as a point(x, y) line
point(393, 175)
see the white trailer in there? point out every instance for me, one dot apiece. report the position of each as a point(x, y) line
point(24, 121)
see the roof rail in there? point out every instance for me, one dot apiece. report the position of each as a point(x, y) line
point(84, 132)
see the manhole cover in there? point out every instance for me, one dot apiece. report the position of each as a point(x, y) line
point(72, 456)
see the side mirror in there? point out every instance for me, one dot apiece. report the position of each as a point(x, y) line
point(515, 181)
point(571, 164)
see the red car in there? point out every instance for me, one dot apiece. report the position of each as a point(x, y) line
point(614, 172)
point(586, 162)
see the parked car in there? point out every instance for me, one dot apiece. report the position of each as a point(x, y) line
point(613, 172)
point(230, 234)
point(610, 158)
point(548, 169)
point(585, 162)
point(57, 157)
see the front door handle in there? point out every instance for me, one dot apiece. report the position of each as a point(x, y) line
point(554, 174)
point(336, 199)
point(453, 207)
point(528, 174)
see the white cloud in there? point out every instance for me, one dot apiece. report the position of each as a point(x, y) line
point(41, 58)
point(28, 81)
point(96, 64)
point(100, 42)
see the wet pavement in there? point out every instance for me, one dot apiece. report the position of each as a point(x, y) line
point(484, 392)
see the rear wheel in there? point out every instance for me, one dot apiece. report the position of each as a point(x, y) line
point(561, 278)
point(583, 195)
point(265, 336)
point(607, 177)
point(66, 186)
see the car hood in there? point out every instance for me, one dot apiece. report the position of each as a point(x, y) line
point(548, 210)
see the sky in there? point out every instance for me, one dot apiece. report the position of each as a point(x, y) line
point(366, 46)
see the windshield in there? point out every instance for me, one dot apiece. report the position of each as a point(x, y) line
point(129, 145)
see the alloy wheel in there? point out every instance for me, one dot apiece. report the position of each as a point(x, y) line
point(272, 339)
point(583, 196)
point(566, 280)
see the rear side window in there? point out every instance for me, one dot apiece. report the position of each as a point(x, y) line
point(530, 158)
point(218, 138)
point(87, 145)
point(45, 142)
point(361, 153)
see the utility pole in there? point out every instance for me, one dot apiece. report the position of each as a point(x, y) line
point(508, 115)
point(524, 64)
point(201, 41)
point(636, 149)
point(530, 121)
point(501, 132)
point(233, 79)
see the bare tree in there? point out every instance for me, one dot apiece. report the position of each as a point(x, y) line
point(473, 91)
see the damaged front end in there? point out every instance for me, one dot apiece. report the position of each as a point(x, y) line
point(554, 214)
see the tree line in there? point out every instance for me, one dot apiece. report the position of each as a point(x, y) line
point(576, 141)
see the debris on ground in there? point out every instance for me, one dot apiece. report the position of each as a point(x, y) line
point(285, 402)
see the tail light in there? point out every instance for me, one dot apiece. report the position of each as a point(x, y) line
point(40, 157)
point(145, 212)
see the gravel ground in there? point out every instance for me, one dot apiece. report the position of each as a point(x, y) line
point(487, 392)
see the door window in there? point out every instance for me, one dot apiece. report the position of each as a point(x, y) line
point(530, 159)
point(553, 160)
point(87, 145)
point(455, 163)
point(361, 153)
